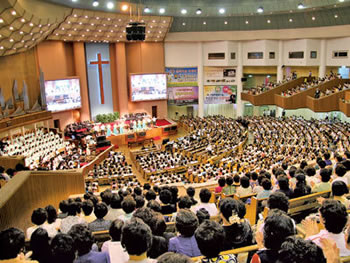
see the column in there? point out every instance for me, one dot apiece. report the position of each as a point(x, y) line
point(280, 61)
point(122, 81)
point(200, 81)
point(323, 54)
point(80, 70)
point(239, 75)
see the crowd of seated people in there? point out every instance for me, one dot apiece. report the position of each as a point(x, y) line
point(267, 86)
point(308, 85)
point(73, 129)
point(135, 219)
point(330, 91)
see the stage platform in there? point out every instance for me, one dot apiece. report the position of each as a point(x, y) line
point(166, 127)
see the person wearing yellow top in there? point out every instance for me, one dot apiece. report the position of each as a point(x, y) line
point(12, 243)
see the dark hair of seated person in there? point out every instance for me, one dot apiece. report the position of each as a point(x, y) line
point(340, 170)
point(51, 214)
point(82, 237)
point(266, 184)
point(146, 186)
point(11, 243)
point(202, 215)
point(140, 201)
point(186, 223)
point(210, 237)
point(136, 237)
point(87, 207)
point(185, 202)
point(154, 205)
point(205, 195)
point(222, 182)
point(238, 231)
point(157, 224)
point(278, 200)
point(39, 245)
point(128, 205)
point(116, 202)
point(72, 209)
point(229, 180)
point(63, 206)
point(278, 226)
point(115, 230)
point(100, 210)
point(62, 247)
point(325, 175)
point(190, 191)
point(106, 197)
point(245, 182)
point(137, 191)
point(297, 250)
point(310, 171)
point(151, 195)
point(165, 196)
point(145, 214)
point(339, 188)
point(334, 215)
point(39, 216)
point(171, 257)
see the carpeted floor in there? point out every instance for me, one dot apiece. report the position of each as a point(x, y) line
point(162, 122)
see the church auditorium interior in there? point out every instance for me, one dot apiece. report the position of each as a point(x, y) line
point(174, 131)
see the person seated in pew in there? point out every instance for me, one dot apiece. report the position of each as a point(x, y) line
point(113, 247)
point(339, 192)
point(88, 207)
point(311, 178)
point(278, 226)
point(186, 224)
point(267, 186)
point(12, 244)
point(210, 237)
point(301, 187)
point(298, 250)
point(220, 187)
point(205, 196)
point(62, 247)
point(128, 206)
point(116, 208)
point(83, 243)
point(165, 197)
point(40, 247)
point(238, 230)
point(283, 186)
point(340, 171)
point(100, 223)
point(334, 218)
point(39, 217)
point(137, 240)
point(52, 219)
point(229, 189)
point(245, 188)
point(202, 215)
point(324, 185)
point(191, 192)
point(72, 218)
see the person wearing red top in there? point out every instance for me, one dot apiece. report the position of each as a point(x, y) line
point(222, 183)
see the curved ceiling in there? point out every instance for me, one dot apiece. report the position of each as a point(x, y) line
point(237, 15)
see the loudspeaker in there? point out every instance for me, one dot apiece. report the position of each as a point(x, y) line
point(243, 79)
point(135, 31)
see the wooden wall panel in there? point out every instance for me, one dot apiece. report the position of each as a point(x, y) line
point(21, 67)
point(30, 190)
point(146, 58)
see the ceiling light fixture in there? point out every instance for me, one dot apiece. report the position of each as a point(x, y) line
point(147, 10)
point(183, 11)
point(1, 20)
point(225, 22)
point(290, 20)
point(198, 11)
point(335, 16)
point(247, 22)
point(161, 10)
point(95, 3)
point(125, 7)
point(300, 6)
point(204, 23)
point(268, 21)
point(13, 13)
point(183, 23)
point(222, 10)
point(23, 20)
point(74, 1)
point(313, 18)
point(31, 24)
point(260, 10)
point(341, 1)
point(110, 5)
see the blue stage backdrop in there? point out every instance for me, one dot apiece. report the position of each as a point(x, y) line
point(99, 78)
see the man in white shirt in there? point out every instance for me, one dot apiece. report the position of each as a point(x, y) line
point(205, 196)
